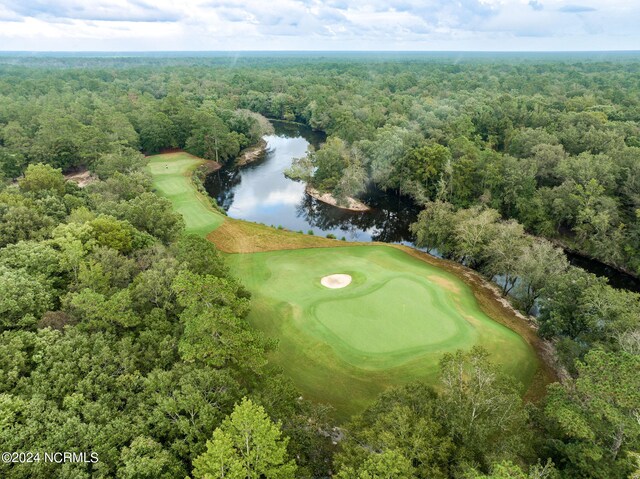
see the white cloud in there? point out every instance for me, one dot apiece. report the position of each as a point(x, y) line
point(319, 25)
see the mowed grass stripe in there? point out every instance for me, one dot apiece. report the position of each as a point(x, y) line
point(344, 347)
point(390, 326)
point(171, 174)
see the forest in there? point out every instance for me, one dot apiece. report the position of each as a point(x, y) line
point(123, 335)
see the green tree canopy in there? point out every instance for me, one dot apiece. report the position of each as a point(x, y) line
point(594, 420)
point(248, 445)
point(42, 178)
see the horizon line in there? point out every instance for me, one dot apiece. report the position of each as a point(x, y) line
point(322, 51)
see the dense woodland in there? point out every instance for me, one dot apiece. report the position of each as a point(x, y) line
point(120, 334)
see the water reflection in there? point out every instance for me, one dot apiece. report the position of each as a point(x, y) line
point(260, 192)
point(388, 221)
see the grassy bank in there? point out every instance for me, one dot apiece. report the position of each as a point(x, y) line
point(171, 174)
point(390, 326)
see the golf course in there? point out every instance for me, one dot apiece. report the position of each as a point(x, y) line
point(171, 174)
point(351, 319)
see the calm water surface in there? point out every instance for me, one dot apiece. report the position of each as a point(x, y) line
point(260, 192)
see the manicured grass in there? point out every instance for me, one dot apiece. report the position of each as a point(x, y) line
point(390, 326)
point(172, 178)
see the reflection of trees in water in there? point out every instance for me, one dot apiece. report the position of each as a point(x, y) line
point(294, 130)
point(388, 221)
point(325, 217)
point(221, 186)
point(393, 215)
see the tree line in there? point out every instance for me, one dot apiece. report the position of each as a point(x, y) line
point(123, 336)
point(553, 144)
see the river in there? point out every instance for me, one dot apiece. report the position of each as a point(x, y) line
point(261, 193)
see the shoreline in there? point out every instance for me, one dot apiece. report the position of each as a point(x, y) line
point(252, 153)
point(500, 310)
point(354, 205)
point(566, 248)
point(244, 237)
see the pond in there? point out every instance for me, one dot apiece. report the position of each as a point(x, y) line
point(261, 193)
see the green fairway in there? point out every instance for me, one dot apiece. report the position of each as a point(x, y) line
point(389, 326)
point(172, 178)
point(345, 346)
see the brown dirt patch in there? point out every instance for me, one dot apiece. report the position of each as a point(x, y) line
point(237, 236)
point(251, 154)
point(82, 178)
point(444, 283)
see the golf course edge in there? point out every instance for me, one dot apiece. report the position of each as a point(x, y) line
point(235, 236)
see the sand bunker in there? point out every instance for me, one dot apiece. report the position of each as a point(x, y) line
point(335, 281)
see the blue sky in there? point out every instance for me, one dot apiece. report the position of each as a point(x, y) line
point(143, 25)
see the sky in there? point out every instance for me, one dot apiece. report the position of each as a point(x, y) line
point(420, 25)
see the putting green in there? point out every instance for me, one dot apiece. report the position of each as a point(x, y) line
point(370, 324)
point(389, 326)
point(171, 174)
point(345, 346)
